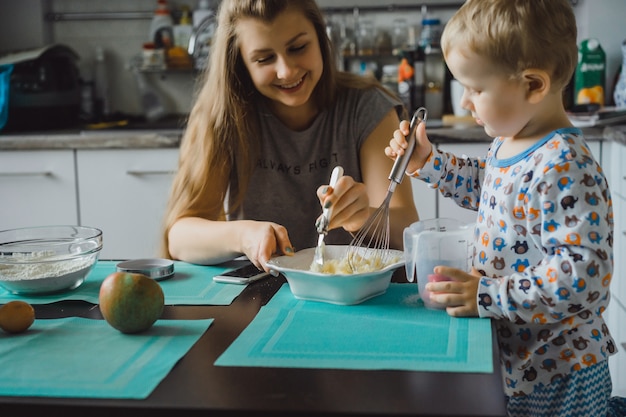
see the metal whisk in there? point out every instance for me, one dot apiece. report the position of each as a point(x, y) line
point(371, 242)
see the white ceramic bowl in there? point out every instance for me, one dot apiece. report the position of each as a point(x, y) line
point(344, 289)
point(47, 259)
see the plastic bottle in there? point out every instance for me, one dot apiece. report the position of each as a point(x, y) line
point(434, 65)
point(205, 35)
point(202, 12)
point(161, 27)
point(182, 31)
point(102, 100)
point(406, 74)
point(431, 33)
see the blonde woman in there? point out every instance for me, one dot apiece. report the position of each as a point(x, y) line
point(271, 120)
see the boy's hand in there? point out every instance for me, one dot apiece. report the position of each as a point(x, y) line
point(459, 295)
point(398, 145)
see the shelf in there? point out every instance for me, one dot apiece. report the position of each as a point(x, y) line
point(57, 17)
point(393, 7)
point(147, 15)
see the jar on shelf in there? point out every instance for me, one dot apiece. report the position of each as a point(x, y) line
point(430, 37)
point(400, 34)
point(390, 77)
point(384, 44)
point(366, 38)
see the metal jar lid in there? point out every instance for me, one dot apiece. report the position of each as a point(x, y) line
point(155, 268)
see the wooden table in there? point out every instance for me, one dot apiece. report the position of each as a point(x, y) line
point(195, 387)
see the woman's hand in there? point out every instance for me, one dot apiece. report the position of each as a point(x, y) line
point(398, 144)
point(349, 202)
point(459, 296)
point(261, 240)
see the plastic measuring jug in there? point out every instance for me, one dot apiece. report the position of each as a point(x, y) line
point(432, 242)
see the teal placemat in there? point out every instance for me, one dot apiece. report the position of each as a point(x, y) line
point(85, 358)
point(392, 331)
point(191, 285)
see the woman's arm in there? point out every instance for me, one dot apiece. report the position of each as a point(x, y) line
point(202, 241)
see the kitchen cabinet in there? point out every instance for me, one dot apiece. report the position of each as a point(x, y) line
point(37, 188)
point(613, 164)
point(124, 193)
point(616, 317)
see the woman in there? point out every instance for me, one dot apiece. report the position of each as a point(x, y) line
point(272, 118)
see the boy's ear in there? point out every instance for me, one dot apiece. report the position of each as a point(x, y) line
point(537, 84)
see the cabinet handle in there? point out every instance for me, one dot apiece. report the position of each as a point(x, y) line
point(26, 174)
point(136, 173)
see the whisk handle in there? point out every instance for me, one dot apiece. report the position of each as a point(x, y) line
point(400, 164)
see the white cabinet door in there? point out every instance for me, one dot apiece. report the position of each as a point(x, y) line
point(124, 193)
point(446, 207)
point(615, 318)
point(618, 283)
point(37, 188)
point(614, 169)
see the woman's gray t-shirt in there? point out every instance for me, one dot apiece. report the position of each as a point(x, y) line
point(293, 164)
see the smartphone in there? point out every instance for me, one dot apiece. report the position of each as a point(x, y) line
point(242, 275)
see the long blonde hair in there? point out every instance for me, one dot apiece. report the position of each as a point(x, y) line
point(217, 154)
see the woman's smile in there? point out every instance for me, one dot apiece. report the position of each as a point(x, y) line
point(292, 86)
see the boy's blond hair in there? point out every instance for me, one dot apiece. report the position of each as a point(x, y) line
point(515, 35)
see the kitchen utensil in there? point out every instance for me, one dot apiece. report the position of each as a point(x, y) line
point(342, 287)
point(155, 268)
point(324, 220)
point(432, 242)
point(374, 234)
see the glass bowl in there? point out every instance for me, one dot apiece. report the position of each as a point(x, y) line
point(336, 288)
point(47, 259)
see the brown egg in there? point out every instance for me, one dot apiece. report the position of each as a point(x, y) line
point(16, 316)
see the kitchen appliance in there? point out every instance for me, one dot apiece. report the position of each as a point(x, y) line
point(5, 77)
point(432, 242)
point(44, 89)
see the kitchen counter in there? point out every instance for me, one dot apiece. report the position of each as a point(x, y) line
point(114, 139)
point(170, 138)
point(195, 387)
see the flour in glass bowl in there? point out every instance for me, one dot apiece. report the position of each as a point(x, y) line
point(43, 273)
